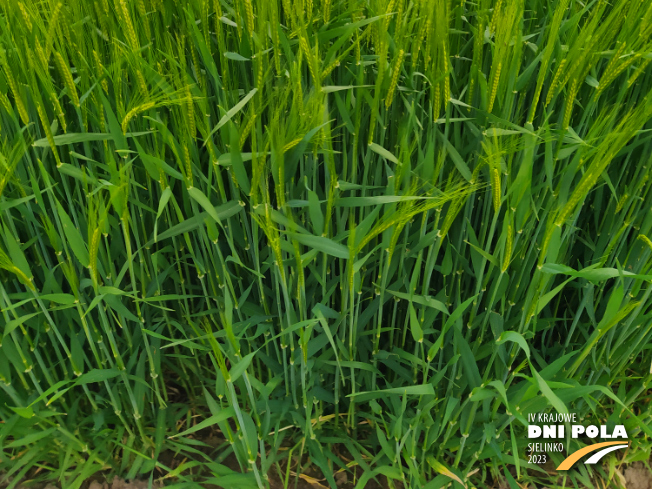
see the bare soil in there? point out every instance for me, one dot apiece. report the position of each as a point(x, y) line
point(637, 476)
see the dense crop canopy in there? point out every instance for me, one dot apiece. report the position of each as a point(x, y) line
point(365, 236)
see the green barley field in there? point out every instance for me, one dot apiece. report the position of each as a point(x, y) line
point(351, 243)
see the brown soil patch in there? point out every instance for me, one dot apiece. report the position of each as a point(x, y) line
point(119, 483)
point(637, 476)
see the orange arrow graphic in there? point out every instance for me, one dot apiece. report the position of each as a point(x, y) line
point(575, 456)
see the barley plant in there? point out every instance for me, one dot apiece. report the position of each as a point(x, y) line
point(355, 241)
